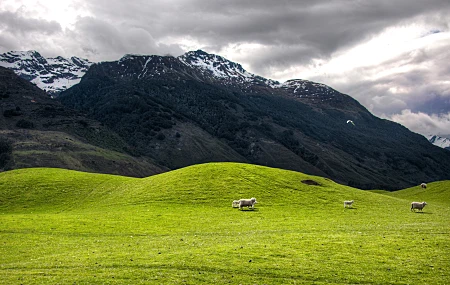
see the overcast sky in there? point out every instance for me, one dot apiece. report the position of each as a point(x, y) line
point(393, 56)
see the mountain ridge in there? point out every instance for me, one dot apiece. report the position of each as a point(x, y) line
point(201, 107)
point(297, 125)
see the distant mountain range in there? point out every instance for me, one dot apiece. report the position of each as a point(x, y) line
point(200, 107)
point(50, 74)
point(55, 75)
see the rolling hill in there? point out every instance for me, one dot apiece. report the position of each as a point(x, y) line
point(62, 226)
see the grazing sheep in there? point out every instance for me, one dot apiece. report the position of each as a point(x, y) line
point(418, 205)
point(247, 203)
point(235, 204)
point(348, 203)
point(423, 185)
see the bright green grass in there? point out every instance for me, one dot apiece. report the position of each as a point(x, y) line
point(66, 227)
point(435, 193)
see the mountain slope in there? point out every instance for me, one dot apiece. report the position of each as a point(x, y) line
point(38, 131)
point(154, 102)
point(50, 74)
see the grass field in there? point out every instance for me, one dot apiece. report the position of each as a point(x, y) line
point(67, 227)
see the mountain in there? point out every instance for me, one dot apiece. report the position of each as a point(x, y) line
point(37, 131)
point(439, 141)
point(50, 74)
point(201, 107)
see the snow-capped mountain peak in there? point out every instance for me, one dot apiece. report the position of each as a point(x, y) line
point(50, 74)
point(224, 70)
point(439, 141)
point(217, 66)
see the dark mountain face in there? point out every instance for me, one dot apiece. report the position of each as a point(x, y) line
point(37, 131)
point(201, 107)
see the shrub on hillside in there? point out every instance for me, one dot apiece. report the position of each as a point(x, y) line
point(5, 152)
point(4, 94)
point(12, 112)
point(83, 123)
point(24, 124)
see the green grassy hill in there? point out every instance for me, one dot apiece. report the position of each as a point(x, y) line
point(436, 193)
point(60, 227)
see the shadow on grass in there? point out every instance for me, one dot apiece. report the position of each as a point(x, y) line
point(250, 210)
point(352, 208)
point(424, 213)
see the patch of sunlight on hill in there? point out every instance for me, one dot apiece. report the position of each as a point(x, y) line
point(436, 192)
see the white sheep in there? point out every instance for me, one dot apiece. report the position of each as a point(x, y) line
point(348, 203)
point(423, 185)
point(235, 204)
point(418, 205)
point(247, 203)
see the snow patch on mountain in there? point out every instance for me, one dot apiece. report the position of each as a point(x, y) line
point(309, 90)
point(216, 66)
point(50, 74)
point(224, 70)
point(439, 141)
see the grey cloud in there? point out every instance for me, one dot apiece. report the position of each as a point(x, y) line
point(415, 80)
point(300, 30)
point(20, 33)
point(298, 33)
point(99, 35)
point(317, 22)
point(7, 42)
point(106, 41)
point(14, 23)
point(435, 104)
point(423, 123)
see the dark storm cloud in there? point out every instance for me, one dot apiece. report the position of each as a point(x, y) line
point(298, 30)
point(292, 32)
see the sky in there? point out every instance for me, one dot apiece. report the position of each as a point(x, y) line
point(393, 56)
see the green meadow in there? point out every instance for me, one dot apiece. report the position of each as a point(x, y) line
point(67, 227)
